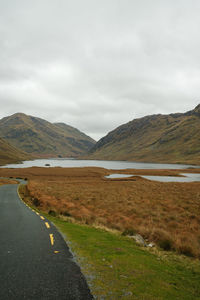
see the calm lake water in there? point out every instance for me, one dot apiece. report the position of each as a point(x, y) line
point(114, 165)
point(189, 177)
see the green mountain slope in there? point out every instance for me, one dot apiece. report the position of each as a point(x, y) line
point(171, 138)
point(42, 138)
point(9, 154)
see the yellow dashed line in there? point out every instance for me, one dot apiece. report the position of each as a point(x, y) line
point(47, 224)
point(51, 239)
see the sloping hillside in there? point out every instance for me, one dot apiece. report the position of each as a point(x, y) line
point(171, 138)
point(42, 138)
point(9, 154)
point(76, 137)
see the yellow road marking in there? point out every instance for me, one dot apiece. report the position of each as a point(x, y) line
point(37, 213)
point(41, 217)
point(51, 239)
point(47, 224)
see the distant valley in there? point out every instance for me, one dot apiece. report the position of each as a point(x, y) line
point(173, 138)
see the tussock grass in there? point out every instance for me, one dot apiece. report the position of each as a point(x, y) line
point(165, 213)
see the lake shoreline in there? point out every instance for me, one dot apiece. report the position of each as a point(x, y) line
point(108, 164)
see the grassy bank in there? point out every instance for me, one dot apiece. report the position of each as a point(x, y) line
point(116, 268)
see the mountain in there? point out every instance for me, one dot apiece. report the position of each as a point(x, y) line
point(9, 154)
point(42, 138)
point(173, 138)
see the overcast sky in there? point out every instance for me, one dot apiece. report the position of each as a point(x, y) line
point(96, 64)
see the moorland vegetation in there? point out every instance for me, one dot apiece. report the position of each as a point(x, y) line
point(166, 213)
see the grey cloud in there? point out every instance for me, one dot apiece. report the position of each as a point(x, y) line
point(97, 64)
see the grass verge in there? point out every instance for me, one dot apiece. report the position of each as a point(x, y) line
point(117, 268)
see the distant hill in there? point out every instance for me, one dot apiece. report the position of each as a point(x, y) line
point(9, 154)
point(171, 138)
point(42, 138)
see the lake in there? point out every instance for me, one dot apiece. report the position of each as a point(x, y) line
point(189, 177)
point(114, 165)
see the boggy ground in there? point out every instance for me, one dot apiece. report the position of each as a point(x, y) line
point(166, 213)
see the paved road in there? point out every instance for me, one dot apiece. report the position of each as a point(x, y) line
point(35, 262)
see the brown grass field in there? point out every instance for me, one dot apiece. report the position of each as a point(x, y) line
point(165, 213)
point(7, 181)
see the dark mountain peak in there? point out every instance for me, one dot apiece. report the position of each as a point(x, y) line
point(18, 114)
point(16, 118)
point(195, 111)
point(21, 119)
point(197, 108)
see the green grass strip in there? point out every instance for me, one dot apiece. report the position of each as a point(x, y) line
point(117, 268)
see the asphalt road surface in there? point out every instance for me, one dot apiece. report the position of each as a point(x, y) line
point(35, 262)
